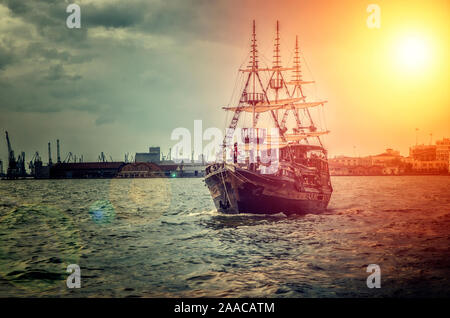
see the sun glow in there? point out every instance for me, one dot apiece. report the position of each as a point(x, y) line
point(413, 53)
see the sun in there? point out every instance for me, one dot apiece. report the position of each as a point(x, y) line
point(413, 53)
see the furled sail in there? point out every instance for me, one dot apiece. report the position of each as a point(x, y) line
point(249, 109)
point(304, 105)
point(280, 104)
point(299, 82)
point(270, 69)
point(295, 137)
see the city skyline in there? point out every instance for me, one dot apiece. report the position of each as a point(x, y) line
point(136, 71)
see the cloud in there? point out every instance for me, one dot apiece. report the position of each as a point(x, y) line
point(57, 73)
point(6, 57)
point(117, 15)
point(140, 65)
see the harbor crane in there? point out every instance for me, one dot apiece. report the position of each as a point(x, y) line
point(58, 152)
point(12, 170)
point(35, 164)
point(49, 154)
point(102, 158)
point(21, 165)
point(69, 157)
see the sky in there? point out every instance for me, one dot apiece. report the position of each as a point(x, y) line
point(138, 69)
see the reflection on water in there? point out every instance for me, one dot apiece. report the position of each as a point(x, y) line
point(163, 238)
point(102, 211)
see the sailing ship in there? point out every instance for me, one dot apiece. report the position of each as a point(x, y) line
point(300, 182)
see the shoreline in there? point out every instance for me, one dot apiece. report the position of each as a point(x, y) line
point(337, 175)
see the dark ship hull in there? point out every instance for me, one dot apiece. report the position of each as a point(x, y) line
point(235, 190)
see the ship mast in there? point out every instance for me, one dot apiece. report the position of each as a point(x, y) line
point(298, 82)
point(254, 66)
point(277, 83)
point(254, 96)
point(297, 70)
point(296, 79)
point(250, 95)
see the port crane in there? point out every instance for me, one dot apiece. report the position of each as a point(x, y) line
point(58, 155)
point(49, 154)
point(13, 170)
point(102, 158)
point(21, 165)
point(69, 157)
point(128, 157)
point(35, 163)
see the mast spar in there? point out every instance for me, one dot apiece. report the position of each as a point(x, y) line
point(254, 69)
point(249, 95)
point(297, 79)
point(254, 97)
point(276, 83)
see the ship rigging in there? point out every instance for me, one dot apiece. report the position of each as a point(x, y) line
point(301, 181)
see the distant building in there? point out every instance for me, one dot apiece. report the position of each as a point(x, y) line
point(193, 170)
point(153, 155)
point(392, 170)
point(85, 170)
point(41, 171)
point(388, 158)
point(345, 166)
point(338, 170)
point(165, 169)
point(141, 170)
point(431, 158)
point(443, 149)
point(386, 163)
point(432, 166)
point(375, 170)
point(187, 168)
point(350, 161)
point(423, 152)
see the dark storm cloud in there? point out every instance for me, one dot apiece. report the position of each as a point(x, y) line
point(57, 73)
point(162, 17)
point(6, 57)
point(117, 15)
point(55, 56)
point(47, 18)
point(17, 7)
point(172, 17)
point(38, 50)
point(135, 64)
